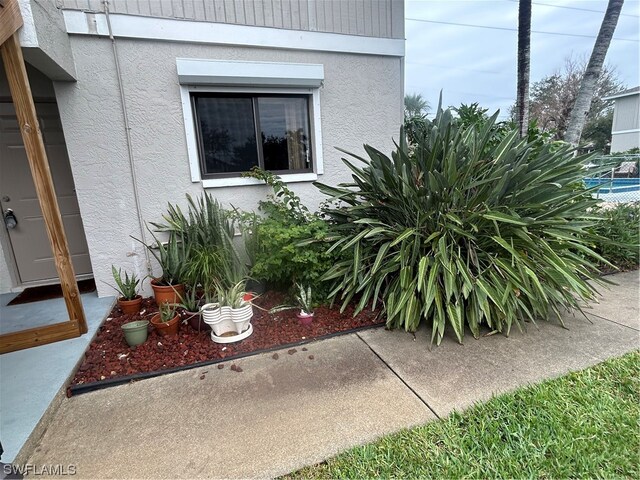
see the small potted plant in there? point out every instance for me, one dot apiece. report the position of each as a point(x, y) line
point(230, 316)
point(190, 305)
point(167, 320)
point(135, 333)
point(172, 256)
point(129, 300)
point(304, 300)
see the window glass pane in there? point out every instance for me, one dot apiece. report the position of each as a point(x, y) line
point(284, 125)
point(228, 134)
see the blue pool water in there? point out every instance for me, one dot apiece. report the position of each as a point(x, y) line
point(617, 185)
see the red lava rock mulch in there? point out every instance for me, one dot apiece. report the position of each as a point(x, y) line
point(109, 356)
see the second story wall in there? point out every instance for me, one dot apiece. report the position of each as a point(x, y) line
point(627, 113)
point(370, 18)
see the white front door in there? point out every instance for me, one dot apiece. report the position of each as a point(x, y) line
point(29, 240)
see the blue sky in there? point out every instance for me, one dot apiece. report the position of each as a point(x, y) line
point(479, 64)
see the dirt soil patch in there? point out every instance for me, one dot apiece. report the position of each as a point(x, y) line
point(109, 357)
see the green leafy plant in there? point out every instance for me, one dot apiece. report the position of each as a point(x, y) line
point(190, 301)
point(304, 301)
point(232, 296)
point(167, 312)
point(172, 256)
point(290, 243)
point(619, 235)
point(208, 231)
point(126, 287)
point(464, 231)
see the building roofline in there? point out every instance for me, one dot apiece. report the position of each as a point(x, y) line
point(627, 93)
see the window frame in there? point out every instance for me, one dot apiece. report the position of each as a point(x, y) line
point(233, 179)
point(255, 111)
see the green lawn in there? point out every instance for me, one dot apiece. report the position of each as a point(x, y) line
point(583, 425)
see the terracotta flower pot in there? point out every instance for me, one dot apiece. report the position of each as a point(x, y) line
point(130, 307)
point(167, 294)
point(166, 328)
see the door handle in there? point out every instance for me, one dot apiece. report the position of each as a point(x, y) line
point(10, 219)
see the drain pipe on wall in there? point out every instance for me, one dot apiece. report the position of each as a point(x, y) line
point(127, 130)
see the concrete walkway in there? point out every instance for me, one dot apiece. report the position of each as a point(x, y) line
point(278, 415)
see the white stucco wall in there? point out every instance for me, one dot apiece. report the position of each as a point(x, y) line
point(361, 102)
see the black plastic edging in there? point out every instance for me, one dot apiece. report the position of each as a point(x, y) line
point(81, 388)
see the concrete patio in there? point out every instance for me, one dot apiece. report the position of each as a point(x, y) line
point(278, 415)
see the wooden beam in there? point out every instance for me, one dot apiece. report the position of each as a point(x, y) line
point(34, 146)
point(10, 19)
point(32, 337)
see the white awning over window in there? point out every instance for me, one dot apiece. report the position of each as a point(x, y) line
point(193, 71)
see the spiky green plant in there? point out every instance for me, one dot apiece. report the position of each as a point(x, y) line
point(207, 229)
point(304, 300)
point(172, 256)
point(463, 232)
point(127, 287)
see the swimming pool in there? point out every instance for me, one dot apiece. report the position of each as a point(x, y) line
point(617, 185)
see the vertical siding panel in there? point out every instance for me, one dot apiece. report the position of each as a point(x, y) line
point(328, 16)
point(218, 11)
point(285, 9)
point(188, 9)
point(155, 9)
point(95, 5)
point(199, 13)
point(397, 19)
point(344, 17)
point(375, 18)
point(229, 11)
point(142, 6)
point(267, 11)
point(276, 8)
point(249, 12)
point(353, 17)
point(258, 12)
point(303, 8)
point(296, 14)
point(238, 9)
point(178, 8)
point(166, 8)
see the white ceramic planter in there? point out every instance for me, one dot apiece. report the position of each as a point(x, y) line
point(226, 319)
point(241, 317)
point(233, 338)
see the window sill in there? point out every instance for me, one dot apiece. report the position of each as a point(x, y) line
point(240, 181)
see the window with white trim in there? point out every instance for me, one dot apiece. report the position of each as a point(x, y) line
point(240, 114)
point(238, 131)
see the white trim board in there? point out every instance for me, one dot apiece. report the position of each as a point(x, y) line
point(177, 30)
point(633, 130)
point(193, 71)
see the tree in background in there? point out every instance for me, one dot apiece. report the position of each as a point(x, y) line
point(588, 84)
point(524, 56)
point(415, 115)
point(415, 106)
point(553, 97)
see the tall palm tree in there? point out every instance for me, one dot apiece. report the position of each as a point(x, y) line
point(524, 55)
point(591, 74)
point(415, 105)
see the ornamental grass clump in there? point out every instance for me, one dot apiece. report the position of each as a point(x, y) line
point(462, 230)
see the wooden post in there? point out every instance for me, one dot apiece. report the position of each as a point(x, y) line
point(34, 146)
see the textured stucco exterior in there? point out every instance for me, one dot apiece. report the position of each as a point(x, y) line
point(361, 102)
point(44, 40)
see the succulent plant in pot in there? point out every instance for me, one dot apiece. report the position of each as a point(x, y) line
point(304, 301)
point(189, 302)
point(172, 256)
point(129, 300)
point(167, 320)
point(230, 316)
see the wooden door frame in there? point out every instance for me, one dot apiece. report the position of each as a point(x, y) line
point(13, 61)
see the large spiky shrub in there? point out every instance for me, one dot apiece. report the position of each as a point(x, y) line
point(463, 230)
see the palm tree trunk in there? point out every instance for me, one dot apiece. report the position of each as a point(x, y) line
point(591, 74)
point(524, 54)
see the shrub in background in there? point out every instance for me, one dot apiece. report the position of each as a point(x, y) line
point(619, 232)
point(279, 256)
point(464, 230)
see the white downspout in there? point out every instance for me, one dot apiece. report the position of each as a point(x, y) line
point(127, 130)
